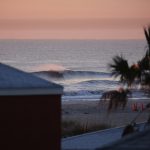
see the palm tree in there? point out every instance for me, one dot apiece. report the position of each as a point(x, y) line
point(139, 71)
point(120, 68)
point(147, 36)
point(145, 62)
point(136, 72)
point(128, 74)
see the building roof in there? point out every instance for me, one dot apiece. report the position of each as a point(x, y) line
point(136, 141)
point(17, 82)
point(95, 140)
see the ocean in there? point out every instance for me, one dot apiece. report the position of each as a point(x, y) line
point(80, 66)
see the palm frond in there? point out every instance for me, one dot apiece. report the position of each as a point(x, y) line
point(119, 67)
point(146, 35)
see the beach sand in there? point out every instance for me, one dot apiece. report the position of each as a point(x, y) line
point(89, 112)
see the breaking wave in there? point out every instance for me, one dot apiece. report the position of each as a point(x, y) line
point(84, 84)
point(72, 74)
point(82, 93)
point(96, 82)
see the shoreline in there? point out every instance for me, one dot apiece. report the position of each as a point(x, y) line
point(97, 98)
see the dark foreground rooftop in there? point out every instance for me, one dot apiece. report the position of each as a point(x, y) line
point(95, 140)
point(137, 141)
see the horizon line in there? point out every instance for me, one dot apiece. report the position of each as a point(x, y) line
point(71, 39)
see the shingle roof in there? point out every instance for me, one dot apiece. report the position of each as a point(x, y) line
point(14, 81)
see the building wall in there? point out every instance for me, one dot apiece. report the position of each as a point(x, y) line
point(30, 122)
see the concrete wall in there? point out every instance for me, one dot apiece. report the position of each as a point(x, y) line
point(30, 122)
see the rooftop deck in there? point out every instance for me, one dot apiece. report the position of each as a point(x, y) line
point(136, 141)
point(94, 140)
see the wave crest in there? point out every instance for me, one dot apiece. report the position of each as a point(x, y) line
point(67, 74)
point(82, 93)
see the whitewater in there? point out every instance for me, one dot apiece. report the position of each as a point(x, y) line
point(80, 66)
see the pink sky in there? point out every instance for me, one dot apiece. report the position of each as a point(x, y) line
point(73, 19)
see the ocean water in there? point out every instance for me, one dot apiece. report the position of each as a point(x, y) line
point(80, 66)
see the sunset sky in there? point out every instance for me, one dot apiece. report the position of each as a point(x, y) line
point(73, 19)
